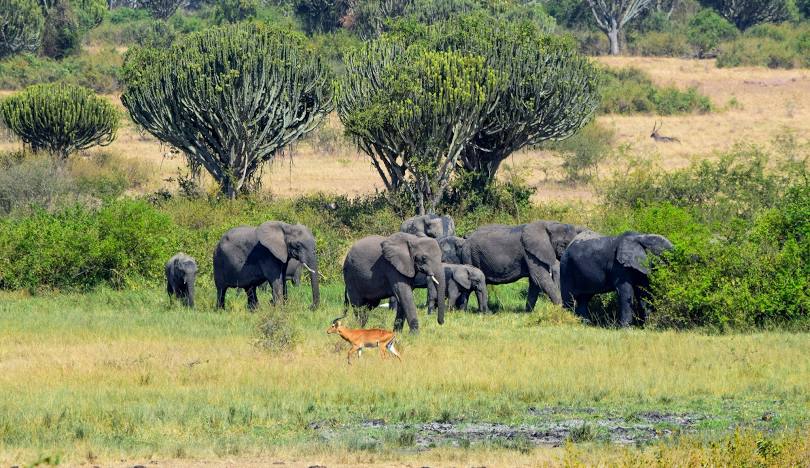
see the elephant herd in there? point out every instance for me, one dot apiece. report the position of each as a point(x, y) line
point(568, 263)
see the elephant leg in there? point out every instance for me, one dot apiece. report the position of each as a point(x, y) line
point(642, 305)
point(452, 294)
point(531, 296)
point(582, 301)
point(169, 289)
point(296, 279)
point(221, 297)
point(567, 298)
point(542, 276)
point(463, 299)
point(625, 292)
point(392, 303)
point(284, 288)
point(252, 298)
point(406, 306)
point(399, 320)
point(277, 284)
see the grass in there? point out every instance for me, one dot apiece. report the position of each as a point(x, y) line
point(126, 375)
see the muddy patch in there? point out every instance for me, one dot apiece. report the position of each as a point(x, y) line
point(551, 427)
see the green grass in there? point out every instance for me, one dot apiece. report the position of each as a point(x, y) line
point(126, 374)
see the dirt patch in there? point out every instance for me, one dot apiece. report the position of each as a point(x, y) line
point(550, 427)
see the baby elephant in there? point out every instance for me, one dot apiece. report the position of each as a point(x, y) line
point(461, 281)
point(181, 272)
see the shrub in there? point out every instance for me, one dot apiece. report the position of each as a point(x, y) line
point(659, 43)
point(582, 152)
point(774, 46)
point(234, 11)
point(630, 90)
point(61, 34)
point(89, 13)
point(804, 8)
point(160, 9)
point(29, 180)
point(78, 247)
point(276, 330)
point(706, 30)
point(124, 15)
point(98, 71)
point(60, 119)
point(21, 26)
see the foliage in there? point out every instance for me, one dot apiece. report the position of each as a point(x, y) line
point(161, 9)
point(321, 15)
point(21, 23)
point(61, 119)
point(413, 112)
point(89, 13)
point(234, 11)
point(78, 247)
point(582, 152)
point(804, 8)
point(211, 93)
point(773, 46)
point(30, 180)
point(741, 237)
point(276, 330)
point(98, 71)
point(670, 43)
point(61, 36)
point(630, 90)
point(707, 30)
point(747, 13)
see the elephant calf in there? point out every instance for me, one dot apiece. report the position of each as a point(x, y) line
point(461, 281)
point(596, 265)
point(181, 273)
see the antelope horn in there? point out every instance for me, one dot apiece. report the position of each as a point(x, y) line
point(339, 318)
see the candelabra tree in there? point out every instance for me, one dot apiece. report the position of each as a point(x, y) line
point(230, 98)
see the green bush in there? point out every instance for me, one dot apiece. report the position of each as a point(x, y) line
point(582, 152)
point(21, 26)
point(707, 29)
point(768, 45)
point(60, 119)
point(89, 13)
point(124, 15)
point(630, 90)
point(61, 36)
point(804, 8)
point(659, 43)
point(98, 71)
point(234, 11)
point(78, 247)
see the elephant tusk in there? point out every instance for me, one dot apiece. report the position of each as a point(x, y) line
point(313, 271)
point(434, 280)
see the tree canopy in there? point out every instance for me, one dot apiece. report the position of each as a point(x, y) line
point(21, 24)
point(230, 97)
point(60, 118)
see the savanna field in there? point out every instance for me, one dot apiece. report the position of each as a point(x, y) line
point(99, 367)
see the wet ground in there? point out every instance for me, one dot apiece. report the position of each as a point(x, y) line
point(547, 427)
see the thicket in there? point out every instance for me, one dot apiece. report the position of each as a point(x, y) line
point(630, 90)
point(768, 45)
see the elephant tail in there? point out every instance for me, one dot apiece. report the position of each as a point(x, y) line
point(345, 299)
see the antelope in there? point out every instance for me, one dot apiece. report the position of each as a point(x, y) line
point(664, 139)
point(359, 339)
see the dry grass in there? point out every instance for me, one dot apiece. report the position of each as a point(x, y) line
point(768, 103)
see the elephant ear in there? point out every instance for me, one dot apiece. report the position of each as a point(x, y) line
point(462, 277)
point(632, 255)
point(271, 235)
point(536, 241)
point(397, 250)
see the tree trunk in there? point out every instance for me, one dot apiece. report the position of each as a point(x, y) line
point(613, 37)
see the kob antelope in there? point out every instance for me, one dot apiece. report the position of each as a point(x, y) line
point(359, 339)
point(663, 139)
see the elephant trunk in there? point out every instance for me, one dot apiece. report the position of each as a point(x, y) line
point(441, 294)
point(190, 293)
point(483, 298)
point(314, 281)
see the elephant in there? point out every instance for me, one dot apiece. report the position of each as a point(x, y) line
point(293, 272)
point(247, 256)
point(507, 253)
point(429, 225)
point(461, 281)
point(452, 248)
point(603, 264)
point(181, 273)
point(378, 267)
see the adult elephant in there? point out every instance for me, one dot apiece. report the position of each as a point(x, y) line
point(598, 265)
point(507, 253)
point(247, 256)
point(379, 267)
point(429, 225)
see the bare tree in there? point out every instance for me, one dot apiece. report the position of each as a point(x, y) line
point(612, 15)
